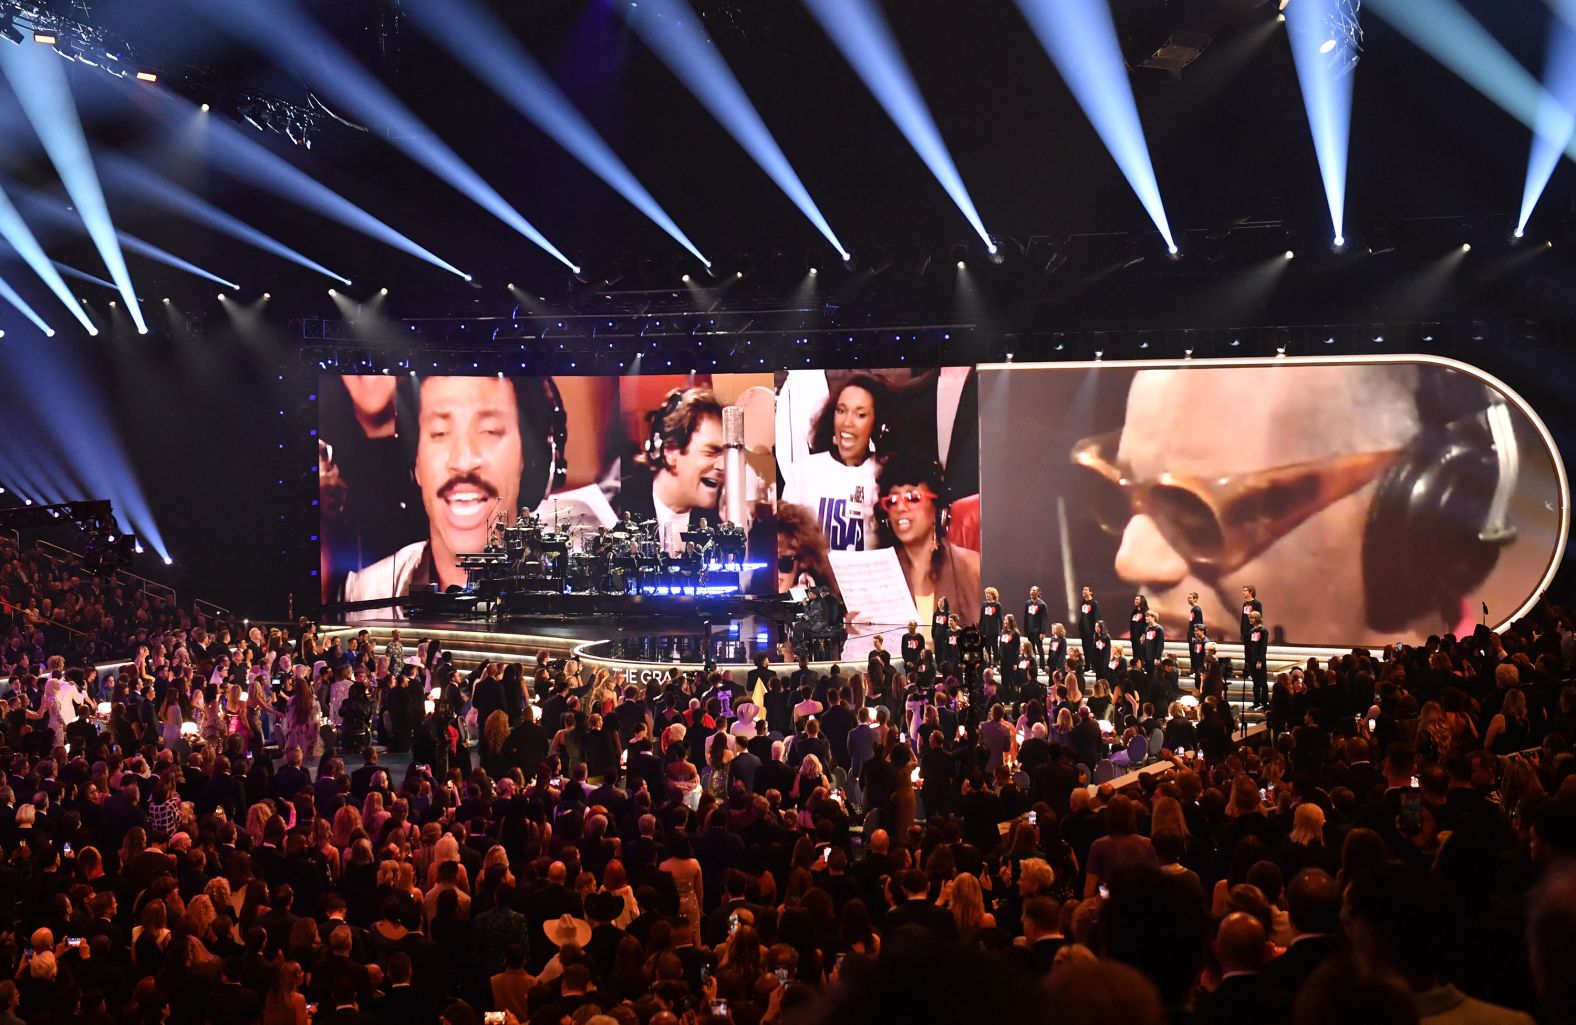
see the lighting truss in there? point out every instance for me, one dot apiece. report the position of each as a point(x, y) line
point(85, 43)
point(1346, 32)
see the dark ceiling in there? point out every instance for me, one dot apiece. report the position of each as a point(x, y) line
point(1229, 141)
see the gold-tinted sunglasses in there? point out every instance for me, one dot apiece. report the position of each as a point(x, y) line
point(1220, 522)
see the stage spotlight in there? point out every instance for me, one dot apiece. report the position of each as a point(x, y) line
point(383, 291)
point(1290, 255)
point(166, 298)
point(1081, 39)
point(1174, 253)
point(1338, 244)
point(674, 33)
point(41, 88)
point(332, 292)
point(45, 38)
point(284, 30)
point(147, 76)
point(205, 108)
point(862, 33)
point(814, 271)
point(1326, 91)
point(267, 295)
point(1466, 247)
point(221, 297)
point(685, 279)
point(1518, 233)
point(962, 264)
point(475, 37)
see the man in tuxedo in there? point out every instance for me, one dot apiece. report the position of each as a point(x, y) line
point(1042, 935)
point(1244, 996)
point(346, 1005)
point(336, 969)
point(1314, 905)
point(402, 1003)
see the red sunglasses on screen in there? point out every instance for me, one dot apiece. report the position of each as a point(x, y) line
point(911, 496)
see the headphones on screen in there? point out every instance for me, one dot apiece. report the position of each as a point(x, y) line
point(1430, 537)
point(656, 433)
point(544, 434)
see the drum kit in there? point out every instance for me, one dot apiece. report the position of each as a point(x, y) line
point(535, 554)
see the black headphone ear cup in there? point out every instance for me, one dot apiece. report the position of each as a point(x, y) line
point(1421, 549)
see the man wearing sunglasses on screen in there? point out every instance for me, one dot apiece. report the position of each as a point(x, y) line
point(1285, 494)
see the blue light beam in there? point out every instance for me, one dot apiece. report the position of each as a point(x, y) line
point(1445, 31)
point(1080, 38)
point(1556, 121)
point(16, 232)
point(247, 160)
point(10, 295)
point(1327, 97)
point(285, 32)
point(475, 37)
point(39, 82)
point(673, 32)
point(861, 32)
point(47, 208)
point(121, 173)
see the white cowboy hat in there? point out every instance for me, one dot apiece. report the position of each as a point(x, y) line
point(568, 929)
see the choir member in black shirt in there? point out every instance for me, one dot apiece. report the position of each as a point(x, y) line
point(1250, 605)
point(1034, 616)
point(938, 623)
point(1137, 623)
point(1088, 619)
point(1197, 652)
point(1154, 642)
point(1256, 653)
point(1027, 671)
point(1195, 614)
point(1056, 655)
point(1098, 651)
point(910, 646)
point(990, 627)
point(1006, 643)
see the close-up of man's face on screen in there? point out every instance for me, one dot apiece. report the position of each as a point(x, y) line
point(1301, 480)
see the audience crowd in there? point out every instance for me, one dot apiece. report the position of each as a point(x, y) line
point(264, 826)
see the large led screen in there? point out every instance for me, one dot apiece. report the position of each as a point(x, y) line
point(1363, 501)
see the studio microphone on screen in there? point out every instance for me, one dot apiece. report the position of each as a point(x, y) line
point(733, 464)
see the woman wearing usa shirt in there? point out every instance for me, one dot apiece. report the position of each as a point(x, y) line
point(837, 481)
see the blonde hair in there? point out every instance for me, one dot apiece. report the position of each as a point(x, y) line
point(968, 904)
point(1038, 871)
point(1167, 817)
point(1307, 824)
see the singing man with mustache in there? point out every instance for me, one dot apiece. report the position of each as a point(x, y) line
point(470, 457)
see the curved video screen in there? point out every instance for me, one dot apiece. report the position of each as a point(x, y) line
point(1361, 501)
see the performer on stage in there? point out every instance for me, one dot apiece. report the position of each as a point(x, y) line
point(837, 481)
point(940, 627)
point(1137, 623)
point(1256, 653)
point(1034, 617)
point(1195, 614)
point(990, 626)
point(1098, 652)
point(1250, 605)
point(1154, 642)
point(1007, 642)
point(1198, 652)
point(1088, 617)
point(1027, 671)
point(1056, 658)
point(910, 646)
